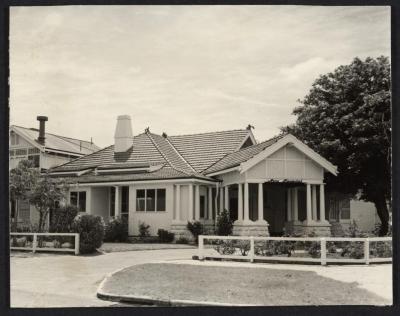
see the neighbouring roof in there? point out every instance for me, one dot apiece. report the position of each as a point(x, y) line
point(178, 156)
point(236, 158)
point(56, 142)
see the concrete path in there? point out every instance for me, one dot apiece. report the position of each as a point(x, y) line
point(53, 280)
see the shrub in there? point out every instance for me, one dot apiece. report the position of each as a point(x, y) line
point(165, 235)
point(182, 240)
point(62, 219)
point(144, 229)
point(196, 228)
point(314, 249)
point(116, 230)
point(354, 250)
point(225, 247)
point(244, 247)
point(91, 231)
point(224, 224)
point(381, 249)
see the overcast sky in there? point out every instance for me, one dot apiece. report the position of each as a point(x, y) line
point(182, 69)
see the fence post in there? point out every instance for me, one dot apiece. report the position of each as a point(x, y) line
point(251, 252)
point(77, 244)
point(34, 243)
point(323, 251)
point(201, 247)
point(366, 250)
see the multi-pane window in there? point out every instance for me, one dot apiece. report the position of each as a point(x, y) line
point(112, 201)
point(79, 200)
point(150, 200)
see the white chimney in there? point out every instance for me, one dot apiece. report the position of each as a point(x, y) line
point(123, 139)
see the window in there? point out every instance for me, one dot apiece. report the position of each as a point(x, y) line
point(35, 159)
point(150, 200)
point(79, 200)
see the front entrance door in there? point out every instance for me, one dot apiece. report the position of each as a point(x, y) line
point(275, 207)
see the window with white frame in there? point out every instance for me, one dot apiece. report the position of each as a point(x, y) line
point(150, 200)
point(78, 198)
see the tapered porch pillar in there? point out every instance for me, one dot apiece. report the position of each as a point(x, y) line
point(246, 202)
point(209, 209)
point(191, 215)
point(117, 204)
point(227, 197)
point(309, 211)
point(322, 202)
point(314, 202)
point(260, 202)
point(240, 202)
point(178, 203)
point(295, 205)
point(221, 199)
point(289, 204)
point(197, 203)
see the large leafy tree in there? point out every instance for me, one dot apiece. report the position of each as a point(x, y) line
point(346, 118)
point(22, 179)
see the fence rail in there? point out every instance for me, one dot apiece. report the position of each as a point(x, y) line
point(323, 258)
point(36, 244)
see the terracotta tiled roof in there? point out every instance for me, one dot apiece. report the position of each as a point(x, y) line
point(180, 156)
point(203, 150)
point(61, 143)
point(236, 158)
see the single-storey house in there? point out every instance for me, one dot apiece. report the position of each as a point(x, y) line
point(44, 150)
point(269, 188)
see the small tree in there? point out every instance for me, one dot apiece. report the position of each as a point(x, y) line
point(44, 196)
point(196, 228)
point(62, 219)
point(224, 224)
point(22, 179)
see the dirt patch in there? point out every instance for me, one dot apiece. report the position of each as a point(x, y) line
point(233, 285)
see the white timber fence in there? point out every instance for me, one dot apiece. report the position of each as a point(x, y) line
point(321, 250)
point(59, 242)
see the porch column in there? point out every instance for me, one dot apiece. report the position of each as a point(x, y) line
point(197, 203)
point(216, 201)
point(117, 205)
point(260, 202)
point(289, 204)
point(227, 198)
point(314, 202)
point(209, 209)
point(295, 205)
point(221, 199)
point(309, 212)
point(178, 203)
point(322, 202)
point(240, 202)
point(246, 201)
point(190, 215)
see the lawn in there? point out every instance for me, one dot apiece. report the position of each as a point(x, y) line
point(234, 285)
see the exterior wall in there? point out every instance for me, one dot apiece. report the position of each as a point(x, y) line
point(156, 220)
point(286, 163)
point(100, 204)
point(48, 161)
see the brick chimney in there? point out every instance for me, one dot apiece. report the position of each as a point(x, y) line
point(123, 138)
point(42, 129)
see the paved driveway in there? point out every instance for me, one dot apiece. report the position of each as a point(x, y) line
point(45, 280)
point(49, 280)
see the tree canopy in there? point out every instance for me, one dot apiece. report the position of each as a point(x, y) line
point(346, 117)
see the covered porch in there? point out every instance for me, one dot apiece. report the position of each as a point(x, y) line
point(277, 208)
